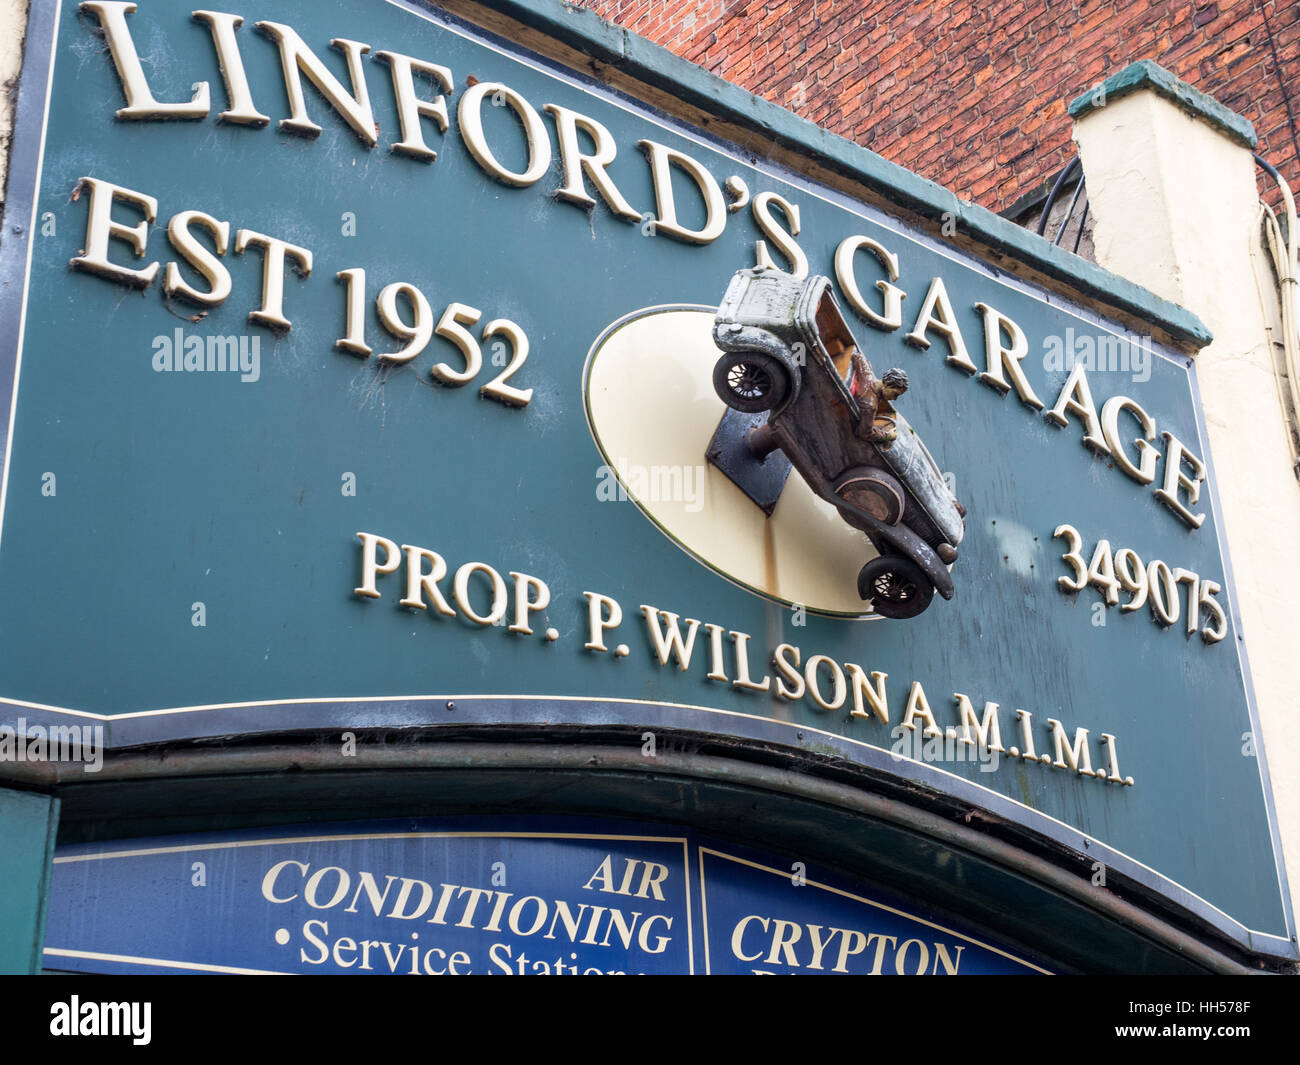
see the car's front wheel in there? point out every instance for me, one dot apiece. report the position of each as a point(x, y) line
point(897, 587)
point(750, 381)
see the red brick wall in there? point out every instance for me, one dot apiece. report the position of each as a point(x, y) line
point(973, 95)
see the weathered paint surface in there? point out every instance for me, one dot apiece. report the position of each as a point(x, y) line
point(183, 489)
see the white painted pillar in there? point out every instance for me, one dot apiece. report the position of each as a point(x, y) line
point(13, 24)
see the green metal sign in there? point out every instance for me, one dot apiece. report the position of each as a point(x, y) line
point(362, 371)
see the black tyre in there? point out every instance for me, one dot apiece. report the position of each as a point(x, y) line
point(751, 382)
point(897, 587)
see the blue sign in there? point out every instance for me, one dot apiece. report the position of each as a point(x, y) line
point(762, 919)
point(438, 898)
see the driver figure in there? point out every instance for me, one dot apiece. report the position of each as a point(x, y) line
point(875, 400)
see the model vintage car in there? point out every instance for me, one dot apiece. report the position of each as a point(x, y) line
point(787, 351)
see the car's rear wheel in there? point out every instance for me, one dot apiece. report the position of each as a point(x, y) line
point(897, 587)
point(750, 381)
point(875, 491)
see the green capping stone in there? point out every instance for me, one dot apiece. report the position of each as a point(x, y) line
point(1145, 74)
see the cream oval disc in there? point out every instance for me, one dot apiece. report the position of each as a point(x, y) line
point(652, 410)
